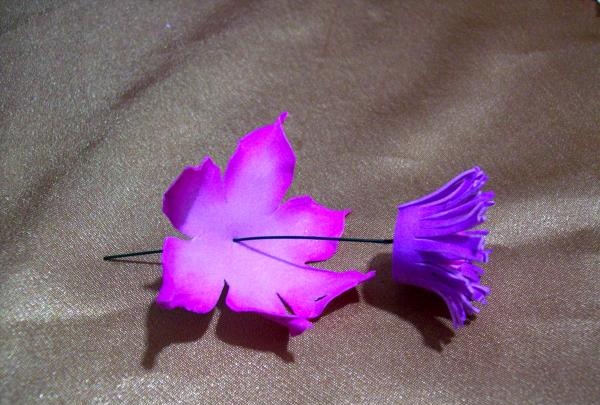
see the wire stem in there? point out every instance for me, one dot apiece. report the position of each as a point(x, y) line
point(122, 255)
point(362, 240)
point(238, 240)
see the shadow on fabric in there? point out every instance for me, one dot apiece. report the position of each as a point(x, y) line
point(249, 330)
point(165, 327)
point(252, 331)
point(420, 307)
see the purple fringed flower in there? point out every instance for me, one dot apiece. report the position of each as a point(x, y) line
point(434, 247)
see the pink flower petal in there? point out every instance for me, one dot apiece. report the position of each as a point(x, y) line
point(195, 272)
point(260, 171)
point(302, 216)
point(283, 289)
point(192, 278)
point(195, 198)
point(269, 277)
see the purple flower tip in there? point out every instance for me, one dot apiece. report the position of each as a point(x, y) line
point(435, 247)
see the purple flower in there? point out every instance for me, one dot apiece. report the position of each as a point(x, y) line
point(434, 246)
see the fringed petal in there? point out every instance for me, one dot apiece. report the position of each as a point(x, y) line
point(435, 247)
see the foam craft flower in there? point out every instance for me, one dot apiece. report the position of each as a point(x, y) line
point(269, 277)
point(434, 247)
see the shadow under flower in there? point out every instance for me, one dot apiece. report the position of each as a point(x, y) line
point(244, 329)
point(420, 307)
point(165, 327)
point(252, 331)
point(170, 326)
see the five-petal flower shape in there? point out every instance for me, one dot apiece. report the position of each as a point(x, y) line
point(269, 277)
point(434, 247)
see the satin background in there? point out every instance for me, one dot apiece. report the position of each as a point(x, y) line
point(104, 103)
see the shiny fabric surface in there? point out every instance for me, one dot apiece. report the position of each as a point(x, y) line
point(102, 104)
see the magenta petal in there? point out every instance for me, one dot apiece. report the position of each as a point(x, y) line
point(434, 247)
point(195, 271)
point(302, 216)
point(282, 290)
point(294, 324)
point(260, 171)
point(269, 277)
point(191, 276)
point(195, 199)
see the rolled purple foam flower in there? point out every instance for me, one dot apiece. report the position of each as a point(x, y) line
point(435, 247)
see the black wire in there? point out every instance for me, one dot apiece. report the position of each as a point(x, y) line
point(381, 241)
point(238, 240)
point(147, 252)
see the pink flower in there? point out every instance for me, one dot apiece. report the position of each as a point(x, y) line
point(269, 277)
point(434, 248)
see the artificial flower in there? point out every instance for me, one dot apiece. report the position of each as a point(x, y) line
point(435, 247)
point(269, 277)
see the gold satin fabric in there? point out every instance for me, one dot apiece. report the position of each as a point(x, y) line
point(103, 103)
